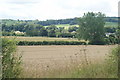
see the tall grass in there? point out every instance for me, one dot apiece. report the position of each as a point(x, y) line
point(108, 69)
point(76, 67)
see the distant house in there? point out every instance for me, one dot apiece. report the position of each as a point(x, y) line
point(73, 32)
point(108, 34)
point(19, 33)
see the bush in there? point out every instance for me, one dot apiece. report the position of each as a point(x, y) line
point(51, 43)
point(112, 40)
point(65, 35)
point(102, 42)
point(11, 62)
point(113, 61)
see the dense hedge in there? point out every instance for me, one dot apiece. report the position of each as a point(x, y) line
point(11, 61)
point(51, 43)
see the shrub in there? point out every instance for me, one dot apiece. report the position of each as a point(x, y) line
point(65, 35)
point(51, 43)
point(10, 60)
point(113, 61)
point(112, 40)
point(102, 42)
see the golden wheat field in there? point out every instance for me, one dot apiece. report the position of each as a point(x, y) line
point(59, 60)
point(21, 38)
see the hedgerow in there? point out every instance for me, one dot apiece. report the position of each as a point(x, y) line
point(51, 43)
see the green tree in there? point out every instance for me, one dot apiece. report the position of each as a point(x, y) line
point(91, 27)
point(52, 27)
point(52, 33)
point(73, 28)
point(52, 30)
point(118, 35)
point(32, 29)
point(43, 32)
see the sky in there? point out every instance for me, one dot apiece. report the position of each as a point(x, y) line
point(55, 9)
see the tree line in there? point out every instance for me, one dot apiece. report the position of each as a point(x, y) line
point(91, 28)
point(38, 30)
point(70, 21)
point(34, 29)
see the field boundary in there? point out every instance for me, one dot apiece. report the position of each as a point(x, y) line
point(51, 43)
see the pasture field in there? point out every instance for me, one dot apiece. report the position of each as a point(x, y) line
point(111, 24)
point(21, 38)
point(107, 24)
point(59, 61)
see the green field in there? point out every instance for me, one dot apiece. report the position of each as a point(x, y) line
point(107, 24)
point(66, 26)
point(111, 24)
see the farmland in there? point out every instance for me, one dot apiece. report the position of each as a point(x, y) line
point(44, 39)
point(111, 24)
point(62, 61)
point(21, 38)
point(66, 26)
point(60, 48)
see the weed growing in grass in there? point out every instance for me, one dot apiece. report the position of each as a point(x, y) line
point(108, 69)
point(79, 64)
point(112, 62)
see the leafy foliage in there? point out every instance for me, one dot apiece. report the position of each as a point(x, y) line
point(92, 27)
point(51, 43)
point(11, 62)
point(113, 61)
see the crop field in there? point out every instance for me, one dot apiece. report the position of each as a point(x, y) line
point(20, 38)
point(66, 26)
point(62, 61)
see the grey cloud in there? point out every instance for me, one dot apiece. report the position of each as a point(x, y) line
point(45, 9)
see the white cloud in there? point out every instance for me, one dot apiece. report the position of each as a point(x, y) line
point(55, 9)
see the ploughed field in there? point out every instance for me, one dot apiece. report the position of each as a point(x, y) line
point(59, 60)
